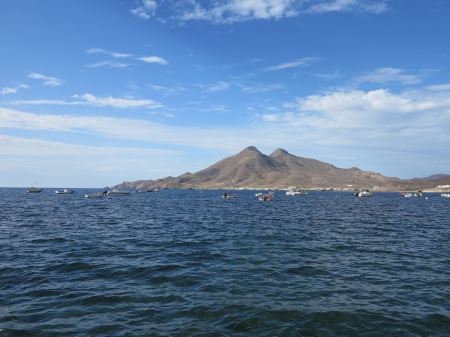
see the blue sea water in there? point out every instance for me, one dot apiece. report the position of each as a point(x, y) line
point(186, 263)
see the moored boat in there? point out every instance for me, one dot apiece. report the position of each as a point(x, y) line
point(229, 195)
point(265, 197)
point(118, 193)
point(364, 194)
point(34, 190)
point(94, 195)
point(64, 192)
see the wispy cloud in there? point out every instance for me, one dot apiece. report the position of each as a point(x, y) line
point(332, 76)
point(166, 90)
point(385, 75)
point(231, 11)
point(347, 6)
point(306, 61)
point(52, 81)
point(120, 102)
point(110, 53)
point(8, 90)
point(262, 88)
point(219, 87)
point(110, 64)
point(153, 59)
point(89, 99)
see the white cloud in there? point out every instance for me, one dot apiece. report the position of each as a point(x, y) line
point(103, 51)
point(18, 146)
point(347, 6)
point(262, 88)
point(121, 102)
point(152, 59)
point(372, 109)
point(299, 63)
point(146, 10)
point(52, 81)
point(219, 87)
point(167, 90)
point(96, 101)
point(385, 75)
point(231, 11)
point(110, 64)
point(332, 76)
point(7, 90)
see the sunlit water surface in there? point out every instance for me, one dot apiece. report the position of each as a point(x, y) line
point(189, 263)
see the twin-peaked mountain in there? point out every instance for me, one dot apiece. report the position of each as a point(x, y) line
point(253, 169)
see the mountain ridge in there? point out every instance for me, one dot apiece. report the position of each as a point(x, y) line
point(252, 169)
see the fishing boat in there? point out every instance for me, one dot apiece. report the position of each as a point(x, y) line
point(265, 197)
point(365, 193)
point(64, 192)
point(229, 195)
point(94, 195)
point(34, 190)
point(118, 193)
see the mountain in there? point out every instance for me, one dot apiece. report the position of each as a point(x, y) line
point(252, 169)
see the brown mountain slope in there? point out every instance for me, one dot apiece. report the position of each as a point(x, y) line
point(252, 169)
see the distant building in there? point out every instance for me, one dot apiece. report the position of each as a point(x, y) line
point(443, 186)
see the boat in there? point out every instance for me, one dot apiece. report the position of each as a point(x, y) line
point(265, 197)
point(418, 194)
point(445, 195)
point(118, 193)
point(407, 195)
point(364, 194)
point(94, 195)
point(229, 195)
point(34, 190)
point(64, 192)
point(294, 191)
point(258, 194)
point(143, 191)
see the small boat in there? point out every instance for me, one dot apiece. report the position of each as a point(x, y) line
point(118, 193)
point(143, 191)
point(94, 195)
point(265, 197)
point(364, 194)
point(34, 190)
point(258, 194)
point(64, 192)
point(229, 195)
point(418, 194)
point(445, 195)
point(407, 195)
point(295, 191)
point(155, 190)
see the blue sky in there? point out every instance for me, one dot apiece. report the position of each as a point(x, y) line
point(93, 93)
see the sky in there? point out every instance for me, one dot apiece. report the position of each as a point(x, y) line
point(97, 92)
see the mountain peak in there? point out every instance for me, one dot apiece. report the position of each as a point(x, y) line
point(279, 151)
point(250, 148)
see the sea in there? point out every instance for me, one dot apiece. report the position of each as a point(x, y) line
point(190, 263)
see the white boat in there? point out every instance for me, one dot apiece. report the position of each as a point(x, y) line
point(118, 193)
point(294, 191)
point(94, 195)
point(258, 194)
point(407, 195)
point(445, 195)
point(64, 192)
point(364, 194)
point(34, 190)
